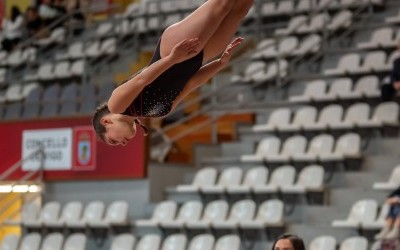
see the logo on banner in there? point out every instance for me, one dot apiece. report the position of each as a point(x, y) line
point(84, 148)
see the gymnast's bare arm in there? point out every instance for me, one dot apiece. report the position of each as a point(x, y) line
point(123, 95)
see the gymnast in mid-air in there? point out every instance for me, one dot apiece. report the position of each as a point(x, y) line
point(187, 55)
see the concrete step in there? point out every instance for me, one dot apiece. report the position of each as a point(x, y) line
point(344, 198)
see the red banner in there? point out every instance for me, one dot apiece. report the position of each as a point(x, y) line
point(84, 149)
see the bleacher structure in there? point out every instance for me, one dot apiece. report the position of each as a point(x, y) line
point(318, 159)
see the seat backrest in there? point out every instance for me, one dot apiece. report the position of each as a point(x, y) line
point(125, 241)
point(364, 211)
point(354, 243)
point(165, 211)
point(341, 86)
point(311, 43)
point(268, 146)
point(10, 242)
point(53, 241)
point(30, 241)
point(331, 114)
point(271, 211)
point(117, 212)
point(50, 212)
point(296, 22)
point(243, 210)
point(202, 242)
point(231, 176)
point(357, 113)
point(387, 112)
point(384, 34)
point(288, 44)
point(324, 242)
point(319, 21)
point(349, 143)
point(311, 177)
point(190, 211)
point(75, 241)
point(280, 116)
point(30, 212)
point(228, 242)
point(72, 211)
point(174, 242)
point(395, 175)
point(94, 211)
point(315, 88)
point(349, 61)
point(283, 176)
point(321, 144)
point(256, 176)
point(205, 177)
point(305, 115)
point(216, 211)
point(375, 60)
point(294, 145)
point(149, 242)
point(341, 19)
point(367, 84)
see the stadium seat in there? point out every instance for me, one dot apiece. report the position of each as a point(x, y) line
point(310, 44)
point(348, 146)
point(163, 212)
point(30, 241)
point(93, 212)
point(204, 177)
point(392, 183)
point(214, 211)
point(331, 114)
point(356, 114)
point(295, 145)
point(379, 38)
point(280, 116)
point(393, 19)
point(362, 211)
point(311, 91)
point(116, 214)
point(75, 241)
point(30, 214)
point(228, 242)
point(125, 241)
point(281, 176)
point(10, 242)
point(174, 242)
point(354, 243)
point(202, 242)
point(303, 117)
point(336, 89)
point(71, 213)
point(52, 241)
point(189, 211)
point(294, 24)
point(316, 24)
point(346, 64)
point(149, 242)
point(310, 179)
point(324, 242)
point(256, 176)
point(341, 20)
point(379, 222)
point(270, 213)
point(241, 211)
point(229, 176)
point(267, 146)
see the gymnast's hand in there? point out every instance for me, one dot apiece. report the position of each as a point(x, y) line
point(226, 56)
point(185, 50)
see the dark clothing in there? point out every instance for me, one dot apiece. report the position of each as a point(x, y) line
point(157, 98)
point(394, 210)
point(394, 193)
point(387, 90)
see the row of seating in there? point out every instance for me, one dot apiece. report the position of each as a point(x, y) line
point(286, 47)
point(74, 214)
point(332, 117)
point(385, 37)
point(257, 180)
point(354, 63)
point(392, 183)
point(303, 24)
point(126, 241)
point(260, 71)
point(322, 148)
point(217, 215)
point(341, 89)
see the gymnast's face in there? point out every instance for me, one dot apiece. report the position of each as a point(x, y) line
point(118, 132)
point(283, 244)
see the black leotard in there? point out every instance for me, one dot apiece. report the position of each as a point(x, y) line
point(157, 98)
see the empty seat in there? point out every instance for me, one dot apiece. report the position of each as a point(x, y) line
point(341, 20)
point(13, 111)
point(282, 176)
point(367, 87)
point(385, 114)
point(149, 242)
point(190, 211)
point(229, 176)
point(379, 38)
point(228, 242)
point(302, 118)
point(76, 241)
point(330, 115)
point(295, 145)
point(214, 211)
point(49, 214)
point(241, 211)
point(116, 214)
point(93, 212)
point(256, 176)
point(354, 243)
point(380, 221)
point(362, 211)
point(337, 88)
point(392, 183)
point(346, 65)
point(202, 242)
point(174, 242)
point(310, 179)
point(10, 242)
point(311, 91)
point(270, 213)
point(356, 115)
point(324, 242)
point(52, 241)
point(310, 44)
point(267, 146)
point(294, 24)
point(204, 177)
point(125, 241)
point(277, 117)
point(348, 146)
point(320, 145)
point(30, 241)
point(71, 213)
point(163, 212)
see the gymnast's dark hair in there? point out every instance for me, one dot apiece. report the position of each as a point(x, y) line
point(100, 129)
point(296, 241)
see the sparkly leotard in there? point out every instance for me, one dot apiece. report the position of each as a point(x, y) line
point(157, 98)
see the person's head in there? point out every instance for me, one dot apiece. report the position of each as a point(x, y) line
point(114, 129)
point(15, 12)
point(31, 13)
point(288, 242)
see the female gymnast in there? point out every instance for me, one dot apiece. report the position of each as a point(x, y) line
point(187, 55)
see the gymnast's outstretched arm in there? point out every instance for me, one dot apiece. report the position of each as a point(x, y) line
point(123, 95)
